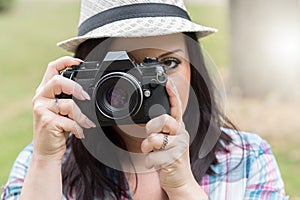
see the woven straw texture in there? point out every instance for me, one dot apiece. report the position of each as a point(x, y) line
point(134, 27)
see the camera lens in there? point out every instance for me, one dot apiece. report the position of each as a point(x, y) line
point(118, 95)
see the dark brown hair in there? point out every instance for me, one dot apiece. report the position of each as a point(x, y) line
point(88, 178)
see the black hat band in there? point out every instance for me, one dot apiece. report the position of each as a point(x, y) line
point(129, 12)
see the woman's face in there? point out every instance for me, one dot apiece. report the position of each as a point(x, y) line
point(169, 49)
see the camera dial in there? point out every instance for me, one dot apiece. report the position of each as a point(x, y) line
point(161, 77)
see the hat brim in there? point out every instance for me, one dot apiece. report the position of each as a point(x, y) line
point(139, 27)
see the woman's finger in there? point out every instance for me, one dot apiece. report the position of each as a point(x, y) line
point(174, 99)
point(55, 67)
point(65, 124)
point(67, 107)
point(156, 141)
point(162, 159)
point(58, 125)
point(58, 84)
point(164, 124)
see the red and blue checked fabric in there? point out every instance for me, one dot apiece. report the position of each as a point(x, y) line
point(249, 172)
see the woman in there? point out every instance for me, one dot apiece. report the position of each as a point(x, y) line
point(193, 152)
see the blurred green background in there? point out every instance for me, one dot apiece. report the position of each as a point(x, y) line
point(28, 36)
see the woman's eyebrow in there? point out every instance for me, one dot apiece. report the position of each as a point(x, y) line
point(170, 52)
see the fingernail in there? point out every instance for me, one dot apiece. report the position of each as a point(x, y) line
point(80, 132)
point(86, 95)
point(90, 123)
point(147, 127)
point(78, 60)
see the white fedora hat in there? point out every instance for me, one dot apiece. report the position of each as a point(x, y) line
point(132, 18)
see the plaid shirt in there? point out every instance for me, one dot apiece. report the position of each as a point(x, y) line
point(246, 173)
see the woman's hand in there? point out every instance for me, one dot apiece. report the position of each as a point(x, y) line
point(168, 150)
point(55, 118)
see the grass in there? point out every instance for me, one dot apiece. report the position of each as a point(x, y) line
point(29, 32)
point(28, 36)
point(289, 162)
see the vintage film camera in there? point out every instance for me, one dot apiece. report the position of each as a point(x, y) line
point(122, 91)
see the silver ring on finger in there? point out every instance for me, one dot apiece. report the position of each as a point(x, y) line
point(165, 142)
point(56, 104)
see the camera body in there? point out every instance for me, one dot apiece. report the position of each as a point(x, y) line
point(122, 91)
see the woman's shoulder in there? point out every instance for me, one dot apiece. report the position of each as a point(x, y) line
point(247, 142)
point(247, 169)
point(244, 149)
point(22, 161)
point(26, 153)
point(13, 187)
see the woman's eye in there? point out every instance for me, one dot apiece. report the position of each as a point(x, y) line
point(170, 63)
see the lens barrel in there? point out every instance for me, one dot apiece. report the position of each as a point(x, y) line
point(118, 95)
